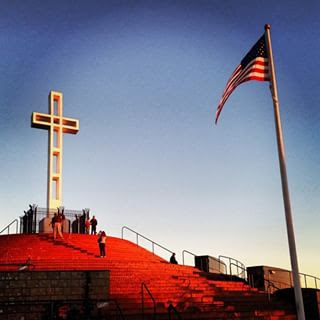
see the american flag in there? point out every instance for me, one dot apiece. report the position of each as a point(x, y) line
point(254, 66)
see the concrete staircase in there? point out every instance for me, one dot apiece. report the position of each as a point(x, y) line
point(194, 294)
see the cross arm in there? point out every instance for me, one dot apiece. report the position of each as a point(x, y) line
point(45, 121)
point(70, 125)
point(40, 120)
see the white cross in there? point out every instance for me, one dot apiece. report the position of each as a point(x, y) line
point(57, 125)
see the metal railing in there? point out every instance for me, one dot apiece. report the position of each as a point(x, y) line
point(241, 271)
point(306, 276)
point(171, 309)
point(241, 274)
point(186, 251)
point(9, 225)
point(30, 222)
point(270, 286)
point(233, 262)
point(119, 313)
point(144, 286)
point(142, 236)
point(304, 284)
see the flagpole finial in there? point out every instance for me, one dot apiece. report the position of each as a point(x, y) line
point(267, 26)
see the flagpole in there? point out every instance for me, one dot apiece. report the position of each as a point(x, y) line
point(284, 181)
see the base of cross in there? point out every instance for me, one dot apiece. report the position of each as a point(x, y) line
point(41, 220)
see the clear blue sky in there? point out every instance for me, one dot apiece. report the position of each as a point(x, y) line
point(145, 78)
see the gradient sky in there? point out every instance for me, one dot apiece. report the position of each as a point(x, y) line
point(145, 78)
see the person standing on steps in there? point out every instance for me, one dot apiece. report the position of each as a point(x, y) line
point(102, 244)
point(94, 223)
point(57, 226)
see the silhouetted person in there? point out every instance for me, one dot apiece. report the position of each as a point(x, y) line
point(53, 221)
point(173, 259)
point(25, 222)
point(75, 225)
point(93, 223)
point(63, 218)
point(35, 209)
point(30, 218)
point(83, 222)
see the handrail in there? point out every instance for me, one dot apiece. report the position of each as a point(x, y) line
point(244, 270)
point(187, 252)
point(175, 311)
point(304, 275)
point(8, 226)
point(270, 284)
point(238, 263)
point(144, 286)
point(119, 311)
point(142, 236)
point(309, 276)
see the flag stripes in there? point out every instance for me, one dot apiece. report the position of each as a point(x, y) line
point(254, 66)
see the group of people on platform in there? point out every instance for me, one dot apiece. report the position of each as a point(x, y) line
point(91, 223)
point(83, 223)
point(28, 225)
